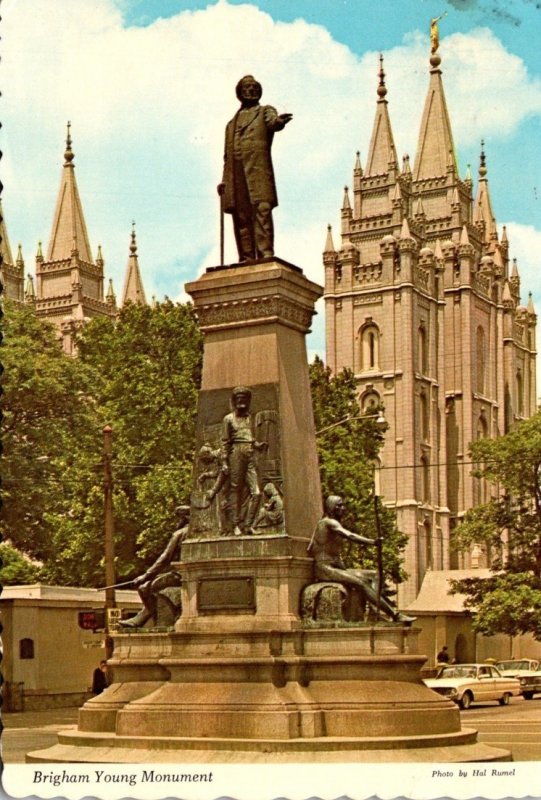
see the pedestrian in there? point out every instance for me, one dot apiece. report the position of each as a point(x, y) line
point(99, 678)
point(443, 656)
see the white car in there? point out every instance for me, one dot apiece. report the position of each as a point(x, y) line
point(528, 672)
point(473, 683)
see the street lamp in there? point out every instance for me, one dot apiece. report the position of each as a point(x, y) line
point(380, 421)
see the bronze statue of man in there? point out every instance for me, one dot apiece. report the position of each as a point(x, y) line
point(238, 448)
point(325, 547)
point(248, 189)
point(160, 575)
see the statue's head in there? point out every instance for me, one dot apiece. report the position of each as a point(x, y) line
point(334, 505)
point(183, 514)
point(206, 454)
point(270, 489)
point(241, 397)
point(248, 89)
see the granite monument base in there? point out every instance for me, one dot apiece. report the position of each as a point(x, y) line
point(344, 693)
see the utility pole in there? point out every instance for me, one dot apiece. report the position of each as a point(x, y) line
point(108, 530)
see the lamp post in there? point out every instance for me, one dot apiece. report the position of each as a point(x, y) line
point(108, 533)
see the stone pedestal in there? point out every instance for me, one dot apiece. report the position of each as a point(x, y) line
point(254, 319)
point(319, 694)
point(243, 677)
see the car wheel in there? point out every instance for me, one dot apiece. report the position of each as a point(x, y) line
point(504, 700)
point(527, 695)
point(465, 700)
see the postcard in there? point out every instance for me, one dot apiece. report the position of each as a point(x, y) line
point(269, 269)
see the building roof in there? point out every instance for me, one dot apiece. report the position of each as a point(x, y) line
point(40, 591)
point(434, 597)
point(68, 232)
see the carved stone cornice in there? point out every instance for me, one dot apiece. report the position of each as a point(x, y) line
point(258, 310)
point(257, 294)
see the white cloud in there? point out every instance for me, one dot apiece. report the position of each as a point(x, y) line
point(148, 108)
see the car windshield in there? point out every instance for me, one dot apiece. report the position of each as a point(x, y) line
point(513, 665)
point(457, 672)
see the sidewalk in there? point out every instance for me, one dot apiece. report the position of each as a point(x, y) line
point(33, 730)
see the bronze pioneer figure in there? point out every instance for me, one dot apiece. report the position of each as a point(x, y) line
point(238, 447)
point(159, 575)
point(248, 189)
point(325, 547)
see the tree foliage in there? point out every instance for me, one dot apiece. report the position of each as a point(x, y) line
point(509, 528)
point(16, 568)
point(347, 456)
point(43, 412)
point(140, 375)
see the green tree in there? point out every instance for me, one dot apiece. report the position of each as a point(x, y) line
point(347, 455)
point(43, 412)
point(16, 567)
point(509, 528)
point(141, 375)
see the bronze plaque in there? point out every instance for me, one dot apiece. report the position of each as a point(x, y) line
point(226, 594)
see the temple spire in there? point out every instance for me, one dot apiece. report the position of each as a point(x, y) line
point(329, 244)
point(382, 147)
point(435, 148)
point(5, 248)
point(133, 284)
point(482, 211)
point(69, 227)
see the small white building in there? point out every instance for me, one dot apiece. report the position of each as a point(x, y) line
point(444, 620)
point(48, 658)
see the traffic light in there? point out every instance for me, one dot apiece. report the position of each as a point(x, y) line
point(92, 619)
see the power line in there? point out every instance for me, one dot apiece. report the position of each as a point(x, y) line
point(166, 468)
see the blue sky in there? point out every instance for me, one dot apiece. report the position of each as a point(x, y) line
point(149, 84)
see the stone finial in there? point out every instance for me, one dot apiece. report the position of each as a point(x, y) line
point(133, 243)
point(507, 297)
point(482, 161)
point(68, 153)
point(19, 260)
point(514, 270)
point(419, 208)
point(329, 244)
point(396, 195)
point(382, 88)
point(406, 166)
point(110, 297)
point(405, 234)
point(29, 291)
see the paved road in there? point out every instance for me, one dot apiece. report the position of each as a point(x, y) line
point(516, 727)
point(33, 730)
